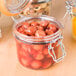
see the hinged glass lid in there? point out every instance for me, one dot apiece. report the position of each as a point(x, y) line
point(12, 7)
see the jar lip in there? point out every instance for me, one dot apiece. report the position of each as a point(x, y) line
point(37, 40)
point(30, 38)
point(43, 17)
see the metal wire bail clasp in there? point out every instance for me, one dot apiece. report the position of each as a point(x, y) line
point(54, 55)
point(68, 8)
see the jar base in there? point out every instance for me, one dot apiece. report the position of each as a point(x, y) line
point(33, 68)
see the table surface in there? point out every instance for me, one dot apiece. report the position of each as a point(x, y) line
point(9, 65)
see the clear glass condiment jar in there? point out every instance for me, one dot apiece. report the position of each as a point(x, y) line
point(71, 9)
point(38, 52)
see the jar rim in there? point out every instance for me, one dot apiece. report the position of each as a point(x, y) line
point(32, 38)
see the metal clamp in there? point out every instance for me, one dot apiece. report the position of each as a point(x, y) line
point(68, 8)
point(54, 56)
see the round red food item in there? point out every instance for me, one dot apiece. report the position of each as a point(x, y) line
point(49, 32)
point(34, 23)
point(45, 51)
point(52, 27)
point(40, 33)
point(25, 25)
point(24, 47)
point(25, 62)
point(21, 29)
point(19, 50)
point(48, 56)
point(25, 50)
point(19, 54)
point(44, 23)
point(36, 64)
point(30, 30)
point(40, 28)
point(47, 63)
point(39, 56)
point(25, 54)
point(32, 52)
point(18, 45)
point(38, 48)
point(54, 44)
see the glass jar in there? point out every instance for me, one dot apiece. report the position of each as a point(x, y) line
point(39, 52)
point(38, 7)
point(30, 7)
point(71, 9)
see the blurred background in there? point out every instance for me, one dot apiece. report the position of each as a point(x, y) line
point(9, 65)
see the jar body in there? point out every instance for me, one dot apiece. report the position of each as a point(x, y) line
point(39, 53)
point(38, 7)
point(35, 56)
